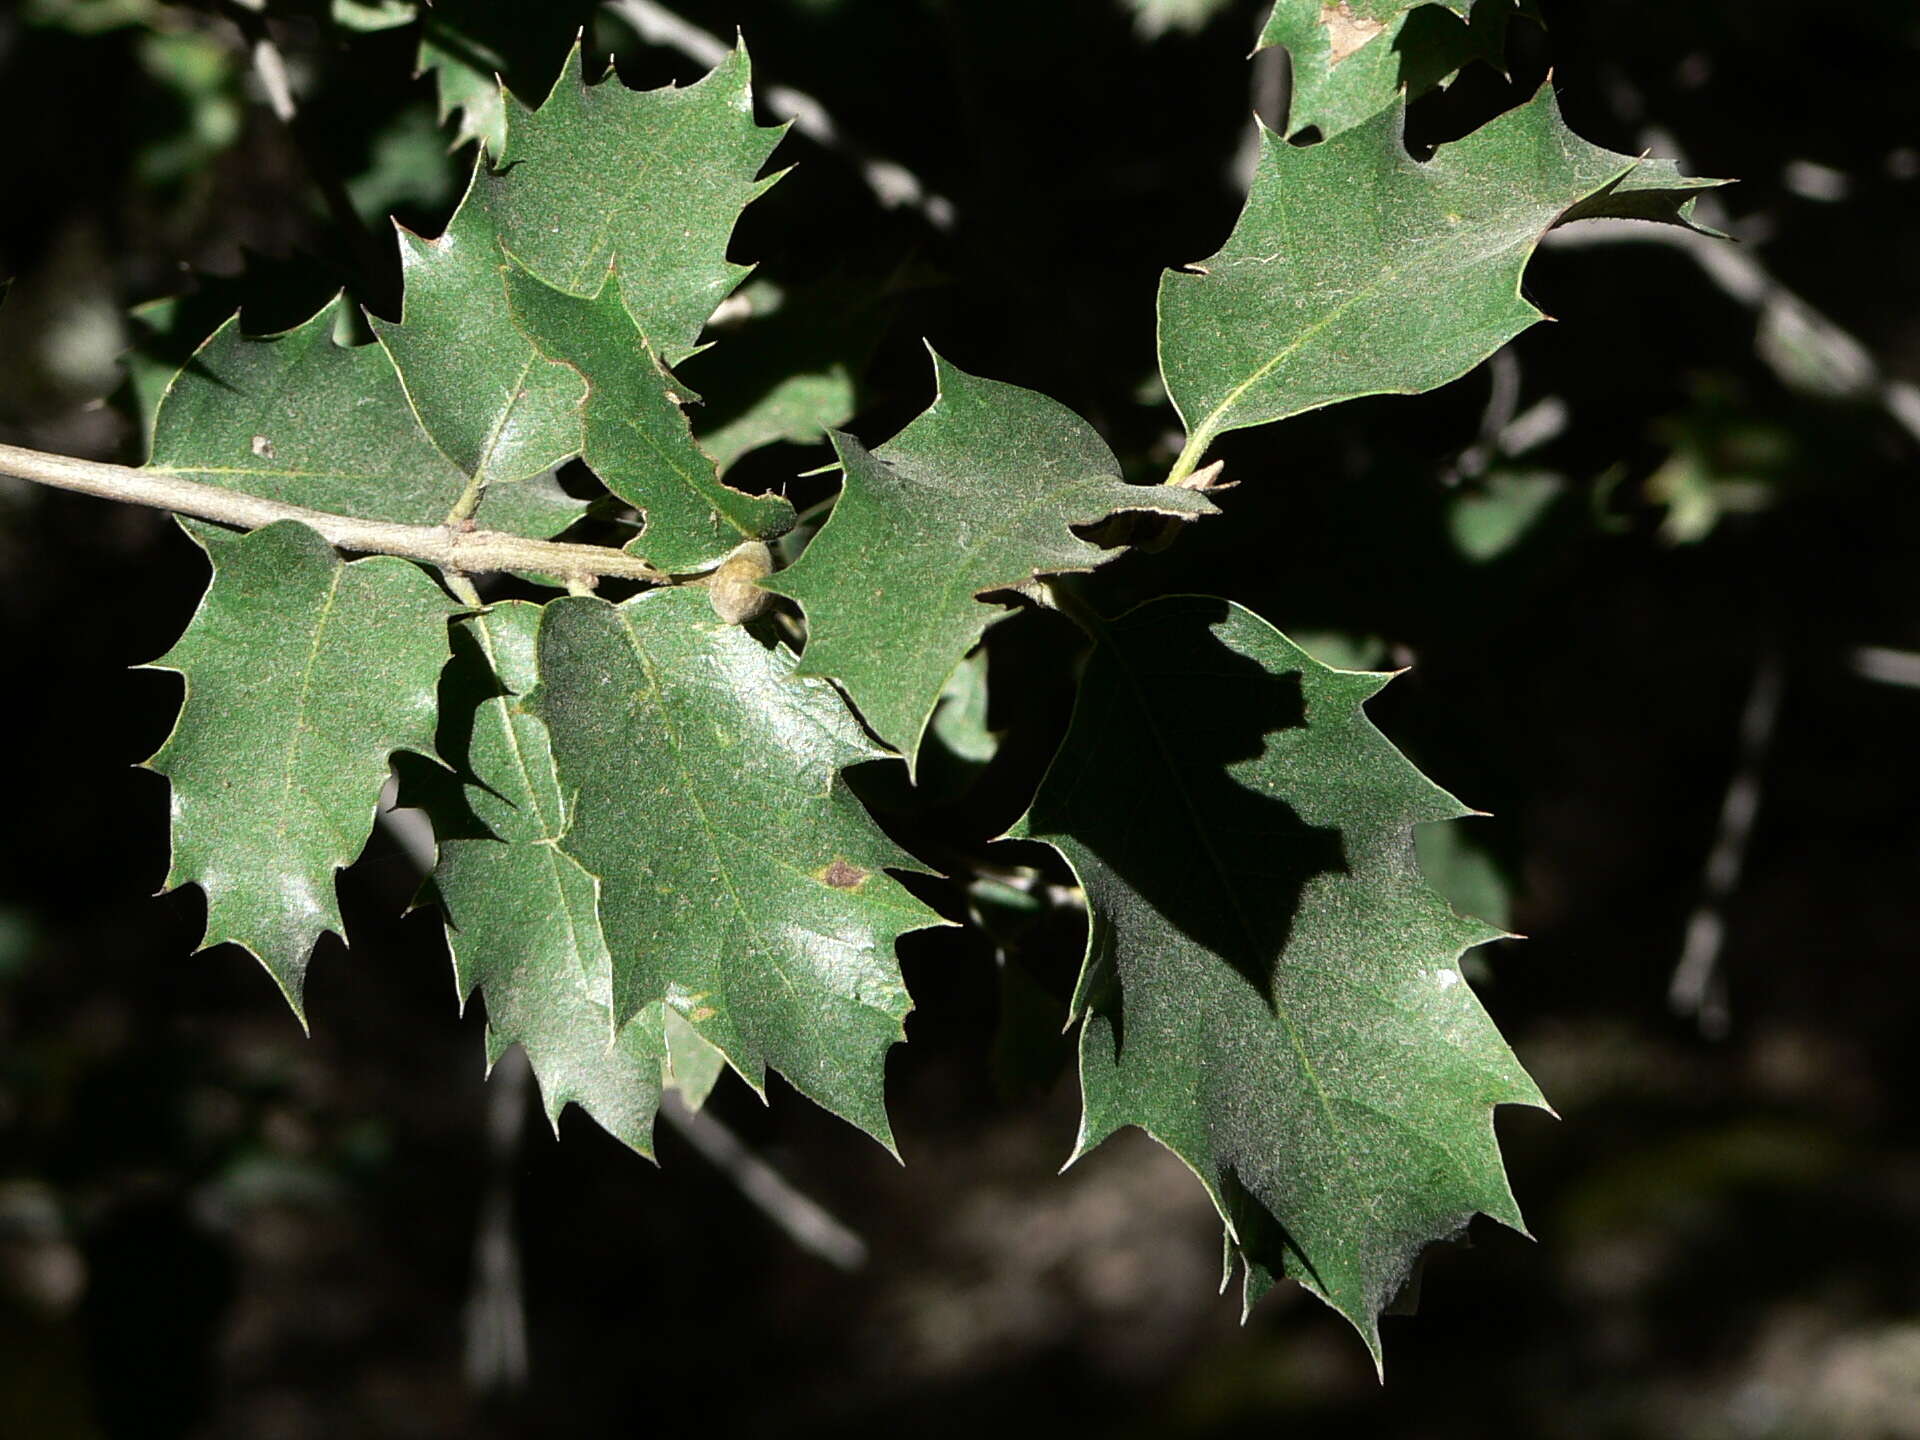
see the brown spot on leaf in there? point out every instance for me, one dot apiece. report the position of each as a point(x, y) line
point(843, 876)
point(1346, 31)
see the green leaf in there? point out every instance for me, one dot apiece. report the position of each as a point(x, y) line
point(303, 675)
point(1355, 270)
point(656, 177)
point(498, 409)
point(1271, 989)
point(1351, 61)
point(522, 917)
point(299, 418)
point(741, 883)
point(599, 171)
point(636, 436)
point(978, 494)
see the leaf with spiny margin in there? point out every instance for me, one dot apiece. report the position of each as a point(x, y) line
point(522, 918)
point(741, 883)
point(1271, 989)
point(304, 674)
point(498, 409)
point(655, 177)
point(299, 418)
point(658, 177)
point(1356, 270)
point(978, 494)
point(636, 436)
point(1350, 62)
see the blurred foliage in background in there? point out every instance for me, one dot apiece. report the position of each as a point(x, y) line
point(1662, 552)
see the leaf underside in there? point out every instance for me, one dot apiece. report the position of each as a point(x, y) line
point(979, 494)
point(1271, 988)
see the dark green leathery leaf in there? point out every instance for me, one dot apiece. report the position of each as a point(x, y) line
point(300, 418)
point(1356, 270)
point(522, 917)
point(979, 494)
point(304, 674)
point(741, 883)
point(1271, 988)
point(634, 433)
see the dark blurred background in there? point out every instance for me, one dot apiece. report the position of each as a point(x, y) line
point(1656, 571)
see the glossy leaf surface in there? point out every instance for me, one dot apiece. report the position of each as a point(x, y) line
point(741, 883)
point(1271, 988)
point(978, 494)
point(304, 674)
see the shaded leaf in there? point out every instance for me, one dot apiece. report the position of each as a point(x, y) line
point(978, 494)
point(1355, 270)
point(303, 675)
point(1271, 989)
point(741, 882)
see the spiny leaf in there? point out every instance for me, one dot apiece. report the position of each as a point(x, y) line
point(499, 410)
point(1271, 989)
point(303, 675)
point(656, 177)
point(741, 883)
point(522, 917)
point(1355, 270)
point(1353, 60)
point(301, 418)
point(978, 494)
point(636, 436)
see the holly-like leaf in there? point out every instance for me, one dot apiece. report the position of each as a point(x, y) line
point(498, 409)
point(522, 917)
point(1353, 60)
point(978, 494)
point(656, 177)
point(1271, 989)
point(304, 674)
point(637, 438)
point(300, 418)
point(741, 883)
point(1356, 270)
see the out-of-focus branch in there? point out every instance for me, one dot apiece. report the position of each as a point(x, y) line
point(892, 184)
